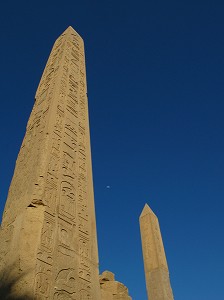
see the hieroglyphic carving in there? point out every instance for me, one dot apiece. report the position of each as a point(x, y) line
point(32, 153)
point(84, 289)
point(65, 285)
point(84, 264)
point(67, 200)
point(70, 135)
point(43, 280)
point(53, 172)
point(67, 244)
point(85, 295)
point(73, 206)
point(47, 233)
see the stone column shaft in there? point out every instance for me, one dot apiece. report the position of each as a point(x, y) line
point(155, 264)
point(48, 229)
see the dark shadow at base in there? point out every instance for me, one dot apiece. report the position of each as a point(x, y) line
point(7, 284)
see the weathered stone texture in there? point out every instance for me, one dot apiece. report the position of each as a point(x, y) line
point(111, 289)
point(155, 264)
point(48, 235)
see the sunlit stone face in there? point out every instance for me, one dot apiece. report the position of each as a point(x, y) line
point(48, 234)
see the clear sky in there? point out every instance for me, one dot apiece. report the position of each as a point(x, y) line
point(155, 72)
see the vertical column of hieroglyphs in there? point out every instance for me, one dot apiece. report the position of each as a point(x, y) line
point(31, 190)
point(25, 205)
point(67, 266)
point(44, 279)
point(61, 190)
point(27, 183)
point(155, 264)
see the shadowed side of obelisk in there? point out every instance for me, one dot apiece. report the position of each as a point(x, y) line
point(155, 264)
point(48, 230)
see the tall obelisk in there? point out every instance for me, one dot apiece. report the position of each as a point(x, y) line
point(155, 264)
point(48, 235)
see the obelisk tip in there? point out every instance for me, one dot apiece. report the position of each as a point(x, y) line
point(70, 30)
point(146, 210)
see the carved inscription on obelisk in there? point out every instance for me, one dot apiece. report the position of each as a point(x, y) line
point(48, 230)
point(155, 264)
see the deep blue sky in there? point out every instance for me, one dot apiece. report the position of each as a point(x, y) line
point(155, 72)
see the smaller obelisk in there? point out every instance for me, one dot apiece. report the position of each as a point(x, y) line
point(155, 264)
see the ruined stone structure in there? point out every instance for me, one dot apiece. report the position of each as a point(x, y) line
point(48, 235)
point(111, 289)
point(155, 264)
